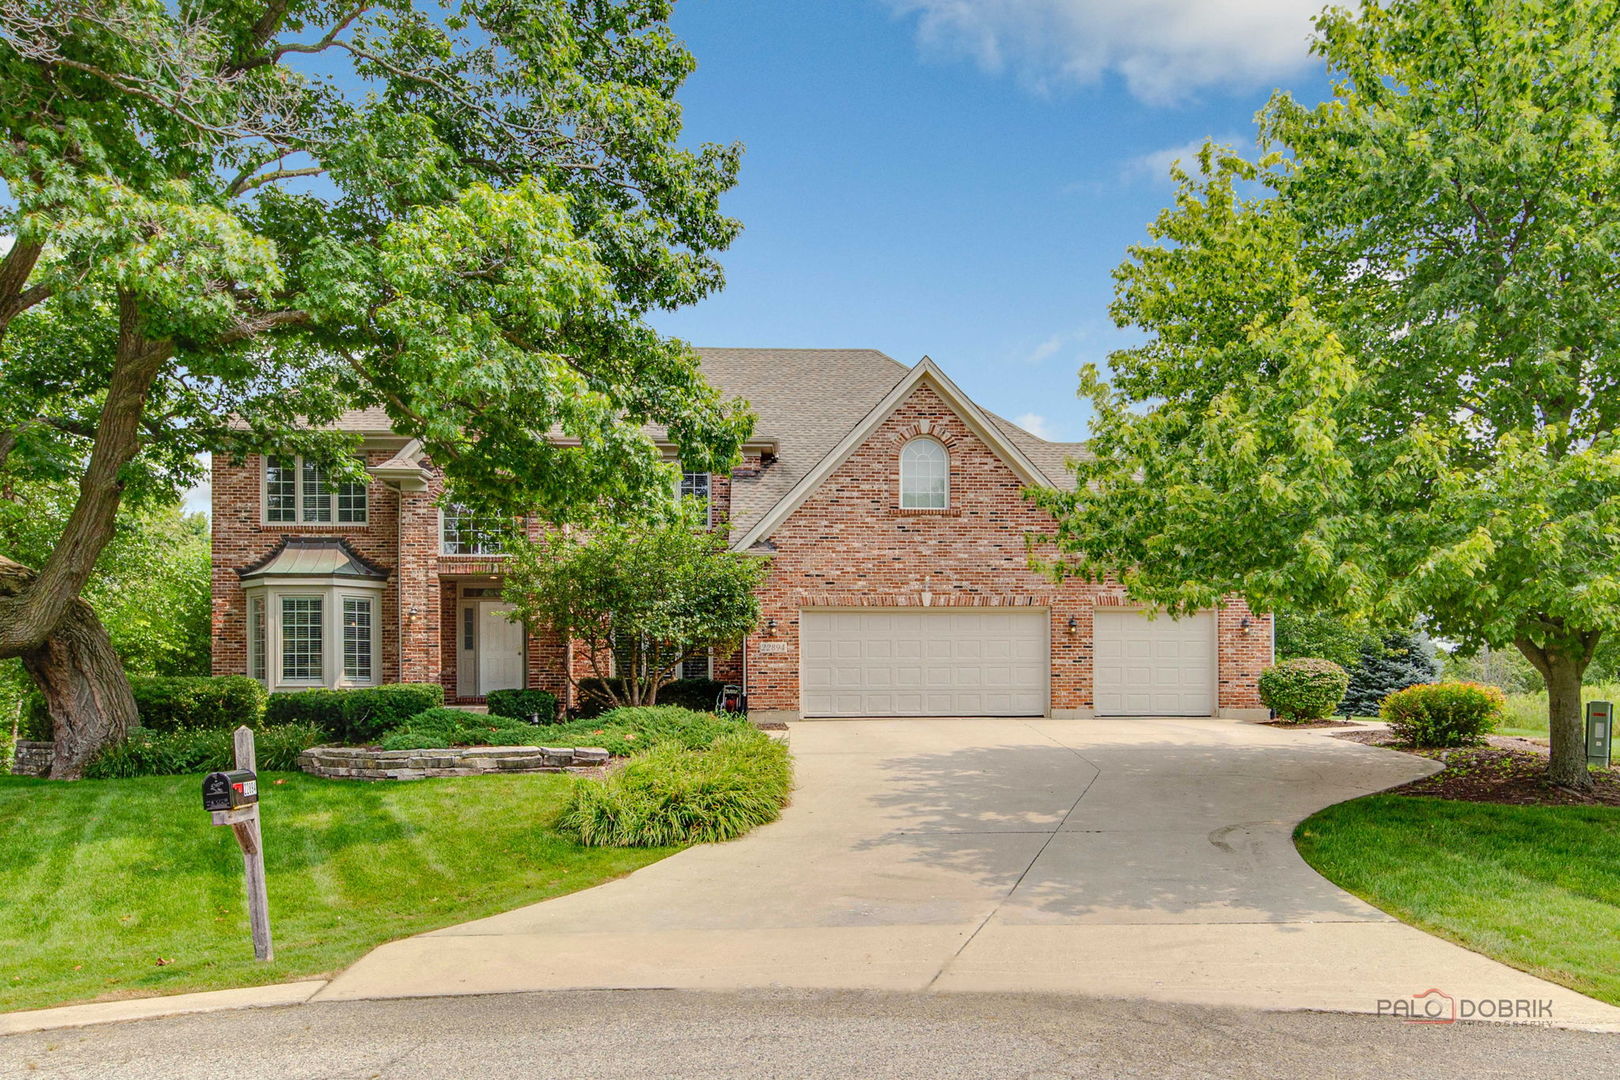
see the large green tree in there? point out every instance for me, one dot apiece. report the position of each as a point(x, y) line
point(1381, 366)
point(233, 219)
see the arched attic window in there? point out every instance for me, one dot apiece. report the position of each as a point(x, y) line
point(925, 475)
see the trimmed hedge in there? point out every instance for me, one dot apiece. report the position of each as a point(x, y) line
point(698, 694)
point(522, 704)
point(158, 753)
point(358, 716)
point(1444, 714)
point(1303, 689)
point(674, 795)
point(457, 727)
point(174, 703)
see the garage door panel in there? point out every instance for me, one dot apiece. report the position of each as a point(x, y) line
point(1153, 667)
point(924, 663)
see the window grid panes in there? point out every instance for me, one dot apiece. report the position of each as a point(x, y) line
point(695, 485)
point(695, 667)
point(925, 471)
point(296, 489)
point(301, 638)
point(280, 489)
point(465, 534)
point(357, 639)
point(256, 660)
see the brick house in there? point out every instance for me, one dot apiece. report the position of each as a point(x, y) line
point(891, 508)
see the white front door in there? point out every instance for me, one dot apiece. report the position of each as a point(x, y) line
point(924, 662)
point(1153, 667)
point(500, 649)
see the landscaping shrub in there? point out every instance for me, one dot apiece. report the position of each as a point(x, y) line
point(522, 704)
point(634, 728)
point(155, 753)
point(358, 716)
point(1303, 689)
point(675, 795)
point(174, 703)
point(458, 727)
point(1444, 714)
point(699, 694)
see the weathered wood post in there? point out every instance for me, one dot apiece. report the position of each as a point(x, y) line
point(243, 818)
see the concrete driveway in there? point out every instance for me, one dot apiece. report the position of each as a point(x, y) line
point(1121, 858)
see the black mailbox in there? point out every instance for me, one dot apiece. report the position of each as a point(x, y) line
point(228, 790)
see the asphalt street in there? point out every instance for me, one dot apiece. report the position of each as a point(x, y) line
point(798, 1034)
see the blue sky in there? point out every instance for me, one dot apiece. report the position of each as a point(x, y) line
point(958, 178)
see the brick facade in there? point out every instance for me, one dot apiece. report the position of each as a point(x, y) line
point(848, 545)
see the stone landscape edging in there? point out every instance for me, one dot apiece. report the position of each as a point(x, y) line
point(356, 763)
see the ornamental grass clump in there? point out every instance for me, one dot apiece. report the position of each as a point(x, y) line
point(673, 795)
point(1444, 714)
point(1303, 690)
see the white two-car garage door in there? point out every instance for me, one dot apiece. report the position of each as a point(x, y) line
point(1153, 667)
point(922, 662)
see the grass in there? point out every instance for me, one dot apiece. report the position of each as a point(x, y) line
point(119, 888)
point(676, 795)
point(1536, 887)
point(1527, 713)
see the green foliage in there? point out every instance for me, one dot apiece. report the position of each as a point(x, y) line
point(640, 597)
point(157, 753)
point(1507, 668)
point(631, 729)
point(175, 702)
point(443, 727)
point(1388, 663)
point(1326, 636)
point(677, 795)
point(1377, 366)
point(522, 704)
point(1303, 689)
point(357, 716)
point(1444, 714)
point(698, 694)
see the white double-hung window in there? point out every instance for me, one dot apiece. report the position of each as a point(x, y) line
point(695, 485)
point(298, 490)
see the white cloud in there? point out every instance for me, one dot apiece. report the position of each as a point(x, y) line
point(199, 499)
point(1155, 166)
point(1037, 425)
point(1164, 50)
point(1045, 349)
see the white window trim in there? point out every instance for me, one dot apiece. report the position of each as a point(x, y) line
point(298, 498)
point(902, 472)
point(708, 666)
point(708, 494)
point(444, 547)
point(332, 592)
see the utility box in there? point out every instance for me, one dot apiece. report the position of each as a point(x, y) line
point(229, 790)
point(1599, 733)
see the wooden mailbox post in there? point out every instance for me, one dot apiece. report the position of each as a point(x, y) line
point(239, 789)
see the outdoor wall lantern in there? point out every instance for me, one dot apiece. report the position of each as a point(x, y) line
point(770, 626)
point(1073, 624)
point(1244, 625)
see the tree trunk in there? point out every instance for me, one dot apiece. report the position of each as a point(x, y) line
point(1562, 666)
point(85, 689)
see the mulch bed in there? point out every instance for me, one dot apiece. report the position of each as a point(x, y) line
point(1307, 724)
point(1507, 770)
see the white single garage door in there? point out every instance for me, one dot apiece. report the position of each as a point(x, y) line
point(1154, 667)
point(919, 662)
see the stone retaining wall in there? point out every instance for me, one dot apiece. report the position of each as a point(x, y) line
point(33, 758)
point(347, 763)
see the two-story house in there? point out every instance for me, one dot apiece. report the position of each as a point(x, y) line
point(891, 507)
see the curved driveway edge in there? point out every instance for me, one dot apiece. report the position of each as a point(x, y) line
point(1117, 858)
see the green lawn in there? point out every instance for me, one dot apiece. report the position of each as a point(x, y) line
point(1527, 713)
point(1537, 887)
point(117, 888)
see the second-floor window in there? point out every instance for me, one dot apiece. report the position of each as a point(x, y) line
point(695, 485)
point(925, 475)
point(298, 490)
point(462, 532)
